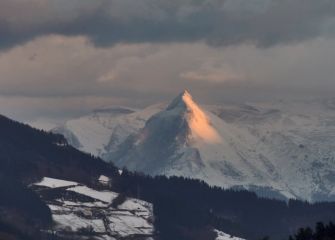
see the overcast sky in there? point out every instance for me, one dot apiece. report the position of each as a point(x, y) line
point(63, 58)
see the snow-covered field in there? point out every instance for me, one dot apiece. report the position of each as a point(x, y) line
point(94, 216)
point(55, 183)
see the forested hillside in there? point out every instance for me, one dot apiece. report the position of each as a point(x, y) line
point(184, 206)
point(29, 154)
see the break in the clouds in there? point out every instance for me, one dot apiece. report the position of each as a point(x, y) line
point(216, 22)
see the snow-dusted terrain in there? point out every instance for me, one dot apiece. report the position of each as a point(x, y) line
point(104, 130)
point(279, 149)
point(80, 211)
point(224, 236)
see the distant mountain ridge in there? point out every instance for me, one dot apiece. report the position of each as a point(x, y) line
point(281, 149)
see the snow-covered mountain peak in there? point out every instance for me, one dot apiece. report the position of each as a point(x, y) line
point(180, 102)
point(198, 122)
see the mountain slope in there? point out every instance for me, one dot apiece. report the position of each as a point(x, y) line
point(104, 130)
point(28, 154)
point(281, 149)
point(184, 140)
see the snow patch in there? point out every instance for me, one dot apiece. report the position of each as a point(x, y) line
point(55, 183)
point(74, 222)
point(105, 196)
point(225, 236)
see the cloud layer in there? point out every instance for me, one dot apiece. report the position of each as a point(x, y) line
point(62, 58)
point(62, 76)
point(216, 22)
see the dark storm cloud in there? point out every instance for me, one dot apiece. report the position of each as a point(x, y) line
point(217, 22)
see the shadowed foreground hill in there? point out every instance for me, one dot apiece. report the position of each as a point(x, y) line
point(29, 154)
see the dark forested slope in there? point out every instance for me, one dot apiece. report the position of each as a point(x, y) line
point(184, 205)
point(28, 154)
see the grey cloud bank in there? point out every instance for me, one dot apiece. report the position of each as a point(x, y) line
point(217, 22)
